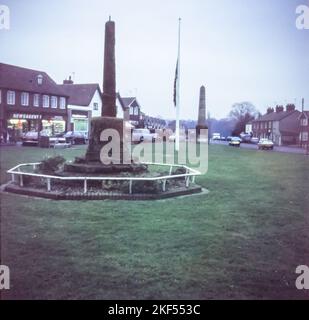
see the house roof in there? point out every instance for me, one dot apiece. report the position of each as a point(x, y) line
point(23, 79)
point(306, 113)
point(126, 102)
point(80, 94)
point(276, 116)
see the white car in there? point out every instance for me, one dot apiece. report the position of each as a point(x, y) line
point(172, 138)
point(216, 136)
point(266, 144)
point(140, 135)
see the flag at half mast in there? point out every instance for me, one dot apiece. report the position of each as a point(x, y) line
point(176, 92)
point(175, 84)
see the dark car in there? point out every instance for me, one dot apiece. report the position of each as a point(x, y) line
point(75, 137)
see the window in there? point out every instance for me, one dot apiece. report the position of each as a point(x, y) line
point(11, 97)
point(36, 100)
point(131, 111)
point(136, 111)
point(95, 106)
point(269, 124)
point(24, 99)
point(304, 122)
point(40, 79)
point(45, 101)
point(305, 136)
point(81, 125)
point(53, 102)
point(62, 103)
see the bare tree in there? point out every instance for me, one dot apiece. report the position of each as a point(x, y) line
point(242, 113)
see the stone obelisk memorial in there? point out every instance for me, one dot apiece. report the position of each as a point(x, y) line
point(100, 158)
point(109, 72)
point(201, 122)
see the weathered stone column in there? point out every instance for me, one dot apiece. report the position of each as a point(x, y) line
point(109, 80)
point(201, 122)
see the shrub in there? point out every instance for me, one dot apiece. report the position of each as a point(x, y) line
point(51, 165)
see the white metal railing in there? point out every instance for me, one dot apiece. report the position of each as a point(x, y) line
point(190, 173)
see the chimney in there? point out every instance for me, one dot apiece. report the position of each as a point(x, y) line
point(279, 109)
point(270, 110)
point(70, 81)
point(290, 107)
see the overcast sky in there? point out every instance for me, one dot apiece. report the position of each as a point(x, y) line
point(241, 50)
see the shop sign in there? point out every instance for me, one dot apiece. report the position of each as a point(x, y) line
point(26, 116)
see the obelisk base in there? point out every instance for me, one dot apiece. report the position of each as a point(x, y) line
point(108, 151)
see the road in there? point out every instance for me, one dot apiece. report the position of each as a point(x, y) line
point(254, 146)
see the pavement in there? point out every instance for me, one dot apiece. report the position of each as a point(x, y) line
point(286, 149)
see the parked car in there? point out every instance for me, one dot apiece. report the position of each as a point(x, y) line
point(265, 144)
point(172, 138)
point(235, 142)
point(245, 137)
point(216, 136)
point(254, 140)
point(222, 138)
point(140, 135)
point(75, 137)
point(229, 138)
point(30, 138)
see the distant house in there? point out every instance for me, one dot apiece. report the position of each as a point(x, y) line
point(281, 126)
point(304, 129)
point(30, 100)
point(130, 109)
point(85, 102)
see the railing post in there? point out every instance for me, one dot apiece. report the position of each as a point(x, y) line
point(85, 186)
point(193, 179)
point(164, 185)
point(187, 181)
point(130, 186)
point(171, 170)
point(21, 180)
point(48, 184)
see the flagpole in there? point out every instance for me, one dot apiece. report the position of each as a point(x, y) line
point(177, 92)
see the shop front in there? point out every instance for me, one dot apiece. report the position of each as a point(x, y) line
point(80, 121)
point(20, 123)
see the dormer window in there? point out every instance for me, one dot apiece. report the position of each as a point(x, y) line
point(40, 79)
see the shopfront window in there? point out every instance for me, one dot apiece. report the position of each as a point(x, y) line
point(81, 125)
point(53, 126)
